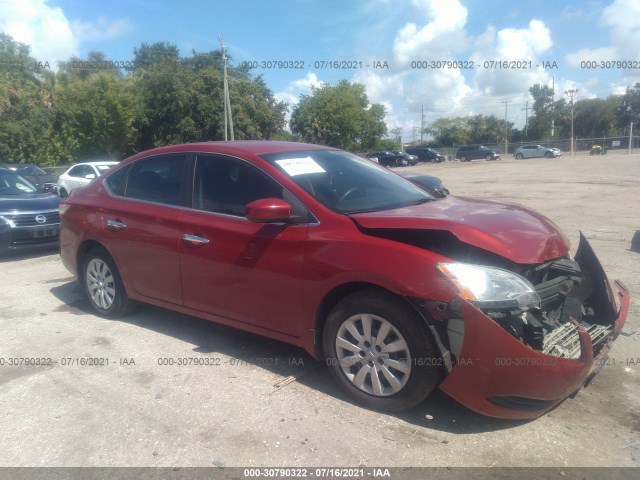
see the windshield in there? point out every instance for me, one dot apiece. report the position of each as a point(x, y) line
point(346, 183)
point(29, 170)
point(13, 184)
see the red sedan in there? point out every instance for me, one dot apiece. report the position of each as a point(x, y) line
point(399, 292)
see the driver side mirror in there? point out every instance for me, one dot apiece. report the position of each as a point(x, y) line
point(267, 210)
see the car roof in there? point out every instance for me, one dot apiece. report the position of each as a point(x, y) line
point(98, 162)
point(251, 147)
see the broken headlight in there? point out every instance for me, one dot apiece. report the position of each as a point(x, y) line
point(491, 288)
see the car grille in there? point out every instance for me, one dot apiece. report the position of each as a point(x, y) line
point(30, 219)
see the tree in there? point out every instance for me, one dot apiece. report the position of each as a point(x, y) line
point(628, 109)
point(595, 117)
point(472, 129)
point(181, 99)
point(450, 131)
point(148, 56)
point(339, 116)
point(27, 107)
point(97, 115)
point(542, 112)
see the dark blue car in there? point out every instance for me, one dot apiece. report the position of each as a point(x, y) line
point(28, 216)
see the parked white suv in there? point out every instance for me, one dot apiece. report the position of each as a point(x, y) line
point(80, 175)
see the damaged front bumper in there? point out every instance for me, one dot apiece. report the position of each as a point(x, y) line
point(496, 374)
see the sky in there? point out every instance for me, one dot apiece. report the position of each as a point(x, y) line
point(443, 57)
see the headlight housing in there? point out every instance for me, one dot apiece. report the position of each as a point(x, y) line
point(7, 221)
point(491, 288)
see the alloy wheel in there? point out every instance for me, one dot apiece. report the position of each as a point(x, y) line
point(100, 284)
point(373, 354)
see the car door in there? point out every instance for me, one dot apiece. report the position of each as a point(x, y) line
point(141, 224)
point(235, 268)
point(74, 177)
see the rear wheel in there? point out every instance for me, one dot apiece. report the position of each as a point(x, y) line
point(463, 158)
point(102, 284)
point(380, 352)
point(519, 156)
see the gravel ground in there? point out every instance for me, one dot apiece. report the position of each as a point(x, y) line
point(260, 402)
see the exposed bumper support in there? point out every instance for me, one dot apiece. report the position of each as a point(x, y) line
point(498, 375)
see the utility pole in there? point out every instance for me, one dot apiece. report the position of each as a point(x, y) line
point(421, 123)
point(630, 137)
point(571, 93)
point(228, 117)
point(506, 127)
point(553, 105)
point(526, 119)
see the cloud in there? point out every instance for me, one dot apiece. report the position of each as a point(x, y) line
point(623, 19)
point(291, 94)
point(50, 34)
point(301, 86)
point(513, 45)
point(102, 29)
point(46, 29)
point(442, 35)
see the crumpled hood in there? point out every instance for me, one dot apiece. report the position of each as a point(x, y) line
point(506, 229)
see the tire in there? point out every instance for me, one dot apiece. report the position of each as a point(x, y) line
point(102, 284)
point(63, 193)
point(519, 156)
point(549, 155)
point(389, 381)
point(488, 158)
point(463, 158)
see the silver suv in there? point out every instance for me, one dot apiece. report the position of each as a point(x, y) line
point(530, 151)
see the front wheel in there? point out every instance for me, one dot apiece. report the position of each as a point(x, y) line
point(102, 284)
point(63, 193)
point(380, 352)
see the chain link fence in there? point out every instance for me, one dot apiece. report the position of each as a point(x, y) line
point(612, 144)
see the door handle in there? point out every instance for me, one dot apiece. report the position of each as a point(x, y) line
point(116, 225)
point(195, 239)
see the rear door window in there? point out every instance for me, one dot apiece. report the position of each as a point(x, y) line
point(157, 179)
